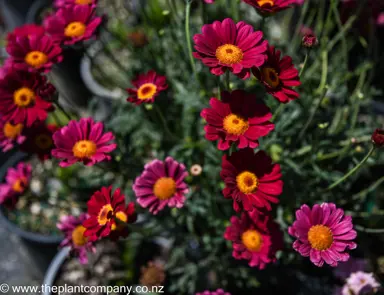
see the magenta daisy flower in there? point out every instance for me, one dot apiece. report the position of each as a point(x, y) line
point(17, 181)
point(237, 118)
point(217, 292)
point(269, 7)
point(226, 45)
point(20, 102)
point(255, 237)
point(72, 24)
point(147, 87)
point(70, 3)
point(10, 134)
point(83, 141)
point(25, 31)
point(34, 53)
point(73, 230)
point(323, 233)
point(161, 184)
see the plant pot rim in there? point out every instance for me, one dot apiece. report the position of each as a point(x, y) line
point(54, 268)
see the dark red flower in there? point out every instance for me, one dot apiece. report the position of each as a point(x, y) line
point(251, 180)
point(104, 208)
point(378, 137)
point(279, 76)
point(309, 41)
point(238, 118)
point(268, 7)
point(25, 31)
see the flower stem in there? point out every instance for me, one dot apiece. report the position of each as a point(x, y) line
point(59, 106)
point(235, 10)
point(310, 119)
point(305, 63)
point(164, 122)
point(369, 230)
point(277, 112)
point(358, 166)
point(188, 36)
point(228, 80)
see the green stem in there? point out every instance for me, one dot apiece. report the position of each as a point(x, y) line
point(188, 36)
point(351, 172)
point(235, 10)
point(228, 80)
point(369, 230)
point(164, 122)
point(278, 111)
point(310, 119)
point(262, 24)
point(305, 63)
point(59, 106)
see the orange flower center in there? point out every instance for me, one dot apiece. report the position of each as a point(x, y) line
point(229, 54)
point(271, 77)
point(235, 124)
point(78, 236)
point(75, 29)
point(252, 240)
point(164, 188)
point(83, 2)
point(105, 214)
point(146, 91)
point(43, 141)
point(121, 216)
point(24, 97)
point(12, 131)
point(320, 237)
point(19, 185)
point(36, 59)
point(247, 182)
point(84, 149)
point(265, 2)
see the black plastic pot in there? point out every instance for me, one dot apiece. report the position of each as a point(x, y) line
point(54, 269)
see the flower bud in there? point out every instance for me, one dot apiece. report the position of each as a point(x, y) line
point(378, 137)
point(309, 41)
point(196, 170)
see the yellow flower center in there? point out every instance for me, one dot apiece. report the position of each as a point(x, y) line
point(271, 77)
point(78, 238)
point(229, 54)
point(43, 141)
point(24, 97)
point(19, 185)
point(36, 59)
point(146, 91)
point(75, 29)
point(320, 237)
point(12, 131)
point(164, 188)
point(83, 2)
point(247, 182)
point(265, 2)
point(252, 240)
point(105, 214)
point(121, 216)
point(234, 124)
point(84, 149)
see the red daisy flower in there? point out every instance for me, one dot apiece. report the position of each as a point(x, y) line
point(268, 7)
point(237, 118)
point(226, 45)
point(25, 31)
point(69, 3)
point(10, 134)
point(72, 24)
point(103, 210)
point(19, 98)
point(147, 87)
point(279, 76)
point(255, 237)
point(34, 53)
point(83, 141)
point(39, 140)
point(251, 180)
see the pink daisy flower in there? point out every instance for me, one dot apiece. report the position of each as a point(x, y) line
point(10, 134)
point(20, 101)
point(362, 283)
point(255, 237)
point(83, 141)
point(269, 7)
point(217, 292)
point(70, 3)
point(72, 24)
point(147, 87)
point(228, 46)
point(17, 181)
point(25, 31)
point(73, 230)
point(209, 2)
point(34, 53)
point(161, 184)
point(323, 233)
point(237, 118)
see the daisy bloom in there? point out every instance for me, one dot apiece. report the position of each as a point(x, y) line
point(255, 238)
point(19, 98)
point(83, 141)
point(10, 134)
point(269, 7)
point(161, 184)
point(39, 140)
point(238, 118)
point(74, 237)
point(251, 180)
point(104, 208)
point(228, 46)
point(196, 170)
point(16, 182)
point(323, 233)
point(209, 1)
point(25, 31)
point(70, 3)
point(217, 292)
point(362, 283)
point(73, 24)
point(34, 53)
point(146, 88)
point(279, 76)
